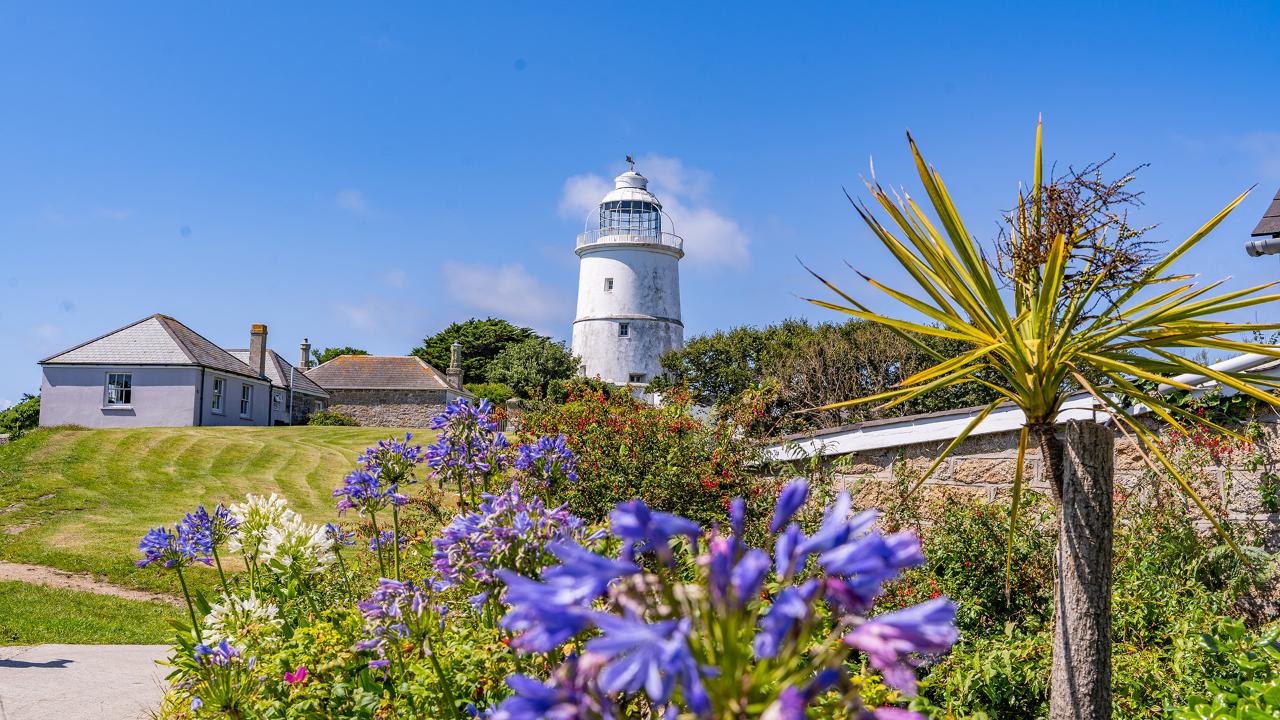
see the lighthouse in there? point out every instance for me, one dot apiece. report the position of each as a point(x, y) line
point(628, 286)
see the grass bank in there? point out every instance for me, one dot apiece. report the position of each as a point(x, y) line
point(36, 614)
point(79, 500)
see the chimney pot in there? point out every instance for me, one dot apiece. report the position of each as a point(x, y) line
point(258, 348)
point(455, 365)
point(304, 354)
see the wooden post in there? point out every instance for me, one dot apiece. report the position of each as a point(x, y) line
point(1080, 686)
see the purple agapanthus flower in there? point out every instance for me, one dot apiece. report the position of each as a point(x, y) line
point(338, 537)
point(547, 460)
point(171, 549)
point(642, 530)
point(790, 500)
point(206, 531)
point(509, 531)
point(544, 615)
point(469, 451)
point(572, 693)
point(387, 539)
point(891, 639)
point(395, 610)
point(638, 654)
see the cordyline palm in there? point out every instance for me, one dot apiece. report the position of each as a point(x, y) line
point(1046, 338)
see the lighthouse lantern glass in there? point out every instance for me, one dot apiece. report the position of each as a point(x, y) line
point(631, 217)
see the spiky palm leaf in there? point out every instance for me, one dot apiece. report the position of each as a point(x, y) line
point(1048, 335)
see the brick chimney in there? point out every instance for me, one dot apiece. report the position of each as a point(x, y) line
point(258, 348)
point(304, 354)
point(455, 365)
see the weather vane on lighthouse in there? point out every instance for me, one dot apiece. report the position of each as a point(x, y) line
point(632, 163)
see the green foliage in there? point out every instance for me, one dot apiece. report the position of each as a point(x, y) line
point(21, 417)
point(531, 365)
point(795, 366)
point(1248, 684)
point(628, 449)
point(331, 418)
point(327, 354)
point(496, 392)
point(482, 341)
point(1171, 586)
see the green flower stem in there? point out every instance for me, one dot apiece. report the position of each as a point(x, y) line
point(190, 607)
point(377, 543)
point(342, 565)
point(395, 541)
point(221, 576)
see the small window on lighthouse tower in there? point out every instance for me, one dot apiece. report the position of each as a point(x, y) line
point(637, 378)
point(624, 329)
point(608, 284)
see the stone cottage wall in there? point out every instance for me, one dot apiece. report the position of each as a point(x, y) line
point(983, 467)
point(388, 408)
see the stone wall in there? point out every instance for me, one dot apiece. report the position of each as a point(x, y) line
point(983, 467)
point(388, 408)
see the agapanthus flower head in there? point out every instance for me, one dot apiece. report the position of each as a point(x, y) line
point(469, 451)
point(255, 517)
point(790, 500)
point(396, 610)
point(367, 491)
point(547, 461)
point(892, 640)
point(338, 537)
point(294, 546)
point(221, 655)
point(173, 549)
point(663, 632)
point(387, 539)
point(508, 530)
point(572, 693)
point(236, 619)
point(642, 529)
point(209, 531)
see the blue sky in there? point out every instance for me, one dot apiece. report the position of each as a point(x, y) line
point(366, 176)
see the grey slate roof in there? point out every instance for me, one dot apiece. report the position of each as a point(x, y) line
point(378, 372)
point(154, 340)
point(278, 373)
point(1270, 222)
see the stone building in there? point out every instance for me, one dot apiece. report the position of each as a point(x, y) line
point(388, 390)
point(294, 397)
point(876, 460)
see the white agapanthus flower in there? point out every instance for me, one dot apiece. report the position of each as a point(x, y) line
point(257, 516)
point(236, 619)
point(295, 546)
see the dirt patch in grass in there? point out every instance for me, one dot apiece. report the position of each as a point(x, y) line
point(81, 582)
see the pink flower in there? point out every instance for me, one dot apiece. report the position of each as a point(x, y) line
point(296, 676)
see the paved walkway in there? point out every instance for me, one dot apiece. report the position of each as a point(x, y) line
point(80, 682)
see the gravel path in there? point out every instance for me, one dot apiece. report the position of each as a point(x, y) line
point(51, 577)
point(81, 682)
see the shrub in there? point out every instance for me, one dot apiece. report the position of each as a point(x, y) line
point(531, 365)
point(1247, 683)
point(19, 418)
point(628, 449)
point(329, 417)
point(496, 392)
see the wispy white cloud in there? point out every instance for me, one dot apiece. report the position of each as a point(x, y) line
point(46, 332)
point(352, 201)
point(711, 238)
point(5, 403)
point(508, 291)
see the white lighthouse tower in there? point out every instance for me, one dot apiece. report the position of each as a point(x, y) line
point(628, 286)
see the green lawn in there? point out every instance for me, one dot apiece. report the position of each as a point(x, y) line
point(35, 614)
point(80, 500)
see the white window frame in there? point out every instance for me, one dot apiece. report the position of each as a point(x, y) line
point(608, 284)
point(246, 401)
point(624, 330)
point(218, 402)
point(126, 390)
point(632, 378)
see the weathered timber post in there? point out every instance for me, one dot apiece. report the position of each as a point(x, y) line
point(1080, 687)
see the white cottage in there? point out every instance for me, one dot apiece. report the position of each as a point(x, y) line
point(159, 372)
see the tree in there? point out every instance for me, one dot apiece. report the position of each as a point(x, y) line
point(21, 416)
point(1071, 321)
point(531, 365)
point(481, 340)
point(795, 366)
point(327, 354)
